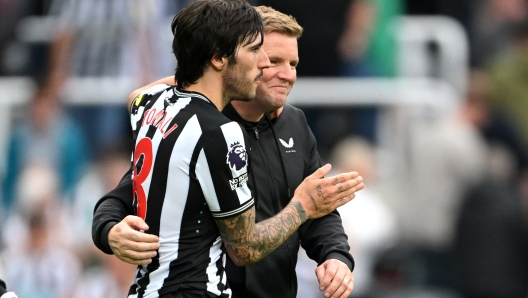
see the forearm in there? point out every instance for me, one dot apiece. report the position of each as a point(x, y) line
point(247, 242)
point(107, 214)
point(166, 80)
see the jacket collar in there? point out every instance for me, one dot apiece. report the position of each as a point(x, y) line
point(230, 112)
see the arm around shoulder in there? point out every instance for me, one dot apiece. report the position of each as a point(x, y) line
point(167, 80)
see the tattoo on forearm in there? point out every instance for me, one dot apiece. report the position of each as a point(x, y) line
point(249, 242)
point(313, 201)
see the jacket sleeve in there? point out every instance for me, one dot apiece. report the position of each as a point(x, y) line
point(324, 239)
point(111, 209)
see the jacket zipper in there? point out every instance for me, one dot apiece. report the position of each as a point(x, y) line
point(276, 196)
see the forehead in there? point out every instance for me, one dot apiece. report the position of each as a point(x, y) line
point(255, 42)
point(276, 43)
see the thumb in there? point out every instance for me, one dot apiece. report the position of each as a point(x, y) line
point(321, 172)
point(136, 222)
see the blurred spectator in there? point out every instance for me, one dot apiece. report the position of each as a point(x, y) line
point(368, 45)
point(42, 269)
point(492, 28)
point(497, 128)
point(102, 275)
point(491, 247)
point(368, 221)
point(446, 159)
point(101, 176)
point(37, 263)
point(45, 135)
point(509, 81)
point(109, 277)
point(17, 58)
point(329, 31)
point(119, 39)
point(491, 252)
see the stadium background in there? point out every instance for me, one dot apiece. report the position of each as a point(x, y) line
point(428, 100)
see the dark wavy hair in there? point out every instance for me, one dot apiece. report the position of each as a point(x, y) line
point(211, 28)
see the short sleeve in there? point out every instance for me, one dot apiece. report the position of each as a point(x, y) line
point(222, 170)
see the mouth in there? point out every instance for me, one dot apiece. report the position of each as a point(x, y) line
point(278, 87)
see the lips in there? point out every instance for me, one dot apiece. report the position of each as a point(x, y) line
point(285, 88)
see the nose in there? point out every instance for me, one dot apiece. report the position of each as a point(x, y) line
point(287, 73)
point(264, 61)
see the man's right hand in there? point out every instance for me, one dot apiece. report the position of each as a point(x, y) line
point(129, 244)
point(320, 196)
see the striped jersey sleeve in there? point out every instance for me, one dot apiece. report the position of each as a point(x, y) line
point(222, 170)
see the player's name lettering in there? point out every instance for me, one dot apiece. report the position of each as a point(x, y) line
point(238, 181)
point(156, 118)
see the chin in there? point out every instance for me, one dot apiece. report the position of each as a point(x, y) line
point(247, 97)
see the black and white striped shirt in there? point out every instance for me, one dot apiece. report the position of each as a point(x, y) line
point(190, 167)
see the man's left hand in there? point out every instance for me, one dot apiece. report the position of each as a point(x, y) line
point(335, 279)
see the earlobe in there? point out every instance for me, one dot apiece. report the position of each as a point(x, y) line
point(218, 63)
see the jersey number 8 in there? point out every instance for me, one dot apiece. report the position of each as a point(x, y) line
point(142, 166)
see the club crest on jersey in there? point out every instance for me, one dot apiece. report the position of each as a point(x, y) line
point(237, 156)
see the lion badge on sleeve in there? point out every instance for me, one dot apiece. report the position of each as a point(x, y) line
point(237, 156)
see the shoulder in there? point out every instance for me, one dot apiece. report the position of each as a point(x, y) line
point(229, 130)
point(292, 113)
point(142, 99)
point(292, 118)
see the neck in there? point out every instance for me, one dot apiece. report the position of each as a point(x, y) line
point(248, 110)
point(210, 85)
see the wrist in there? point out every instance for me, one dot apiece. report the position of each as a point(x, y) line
point(105, 244)
point(343, 259)
point(299, 208)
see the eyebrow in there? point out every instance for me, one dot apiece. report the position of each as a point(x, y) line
point(259, 45)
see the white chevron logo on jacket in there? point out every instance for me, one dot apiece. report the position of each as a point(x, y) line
point(287, 145)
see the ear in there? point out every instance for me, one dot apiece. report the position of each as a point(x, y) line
point(218, 63)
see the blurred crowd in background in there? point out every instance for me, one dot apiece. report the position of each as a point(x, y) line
point(452, 223)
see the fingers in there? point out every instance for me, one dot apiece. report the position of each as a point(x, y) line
point(137, 253)
point(342, 201)
point(349, 186)
point(136, 222)
point(348, 183)
point(342, 192)
point(347, 287)
point(131, 245)
point(135, 258)
point(335, 279)
point(343, 177)
point(139, 245)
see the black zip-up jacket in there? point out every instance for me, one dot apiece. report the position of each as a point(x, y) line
point(283, 153)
